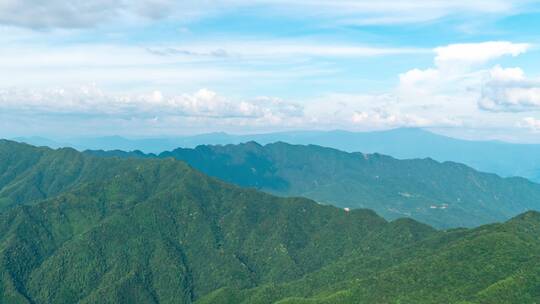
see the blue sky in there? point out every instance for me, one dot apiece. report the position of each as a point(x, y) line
point(155, 67)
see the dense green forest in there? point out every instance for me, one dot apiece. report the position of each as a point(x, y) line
point(444, 195)
point(76, 228)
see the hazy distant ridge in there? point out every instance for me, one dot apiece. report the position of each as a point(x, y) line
point(505, 159)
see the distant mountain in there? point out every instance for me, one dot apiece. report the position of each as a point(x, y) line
point(111, 230)
point(41, 142)
point(440, 194)
point(148, 145)
point(505, 159)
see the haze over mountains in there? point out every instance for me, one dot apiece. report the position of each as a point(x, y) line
point(505, 159)
point(76, 228)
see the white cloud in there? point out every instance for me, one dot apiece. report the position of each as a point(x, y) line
point(384, 12)
point(56, 13)
point(432, 97)
point(470, 54)
point(206, 109)
point(76, 14)
point(102, 55)
point(69, 14)
point(457, 63)
point(509, 90)
point(462, 89)
point(436, 96)
point(530, 123)
point(91, 110)
point(461, 86)
point(280, 48)
point(373, 112)
point(459, 77)
point(192, 65)
point(419, 80)
point(499, 74)
point(92, 101)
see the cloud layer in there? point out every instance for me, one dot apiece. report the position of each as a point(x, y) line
point(530, 123)
point(459, 75)
point(73, 14)
point(460, 89)
point(92, 101)
point(143, 65)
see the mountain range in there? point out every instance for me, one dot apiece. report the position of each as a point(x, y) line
point(443, 195)
point(505, 159)
point(77, 228)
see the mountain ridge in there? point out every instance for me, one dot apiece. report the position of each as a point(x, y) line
point(505, 159)
point(443, 194)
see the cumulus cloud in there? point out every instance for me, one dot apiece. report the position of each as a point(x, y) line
point(456, 62)
point(459, 76)
point(92, 101)
point(462, 85)
point(373, 112)
point(91, 110)
point(530, 123)
point(206, 108)
point(436, 96)
point(509, 90)
point(470, 54)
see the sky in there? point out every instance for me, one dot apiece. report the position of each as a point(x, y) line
point(146, 68)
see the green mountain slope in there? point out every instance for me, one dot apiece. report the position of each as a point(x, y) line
point(491, 264)
point(157, 231)
point(440, 194)
point(28, 173)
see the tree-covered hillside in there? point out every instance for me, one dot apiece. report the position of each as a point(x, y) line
point(133, 230)
point(440, 194)
point(158, 231)
point(490, 264)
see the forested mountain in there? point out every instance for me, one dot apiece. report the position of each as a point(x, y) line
point(440, 194)
point(505, 159)
point(490, 264)
point(111, 230)
point(148, 231)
